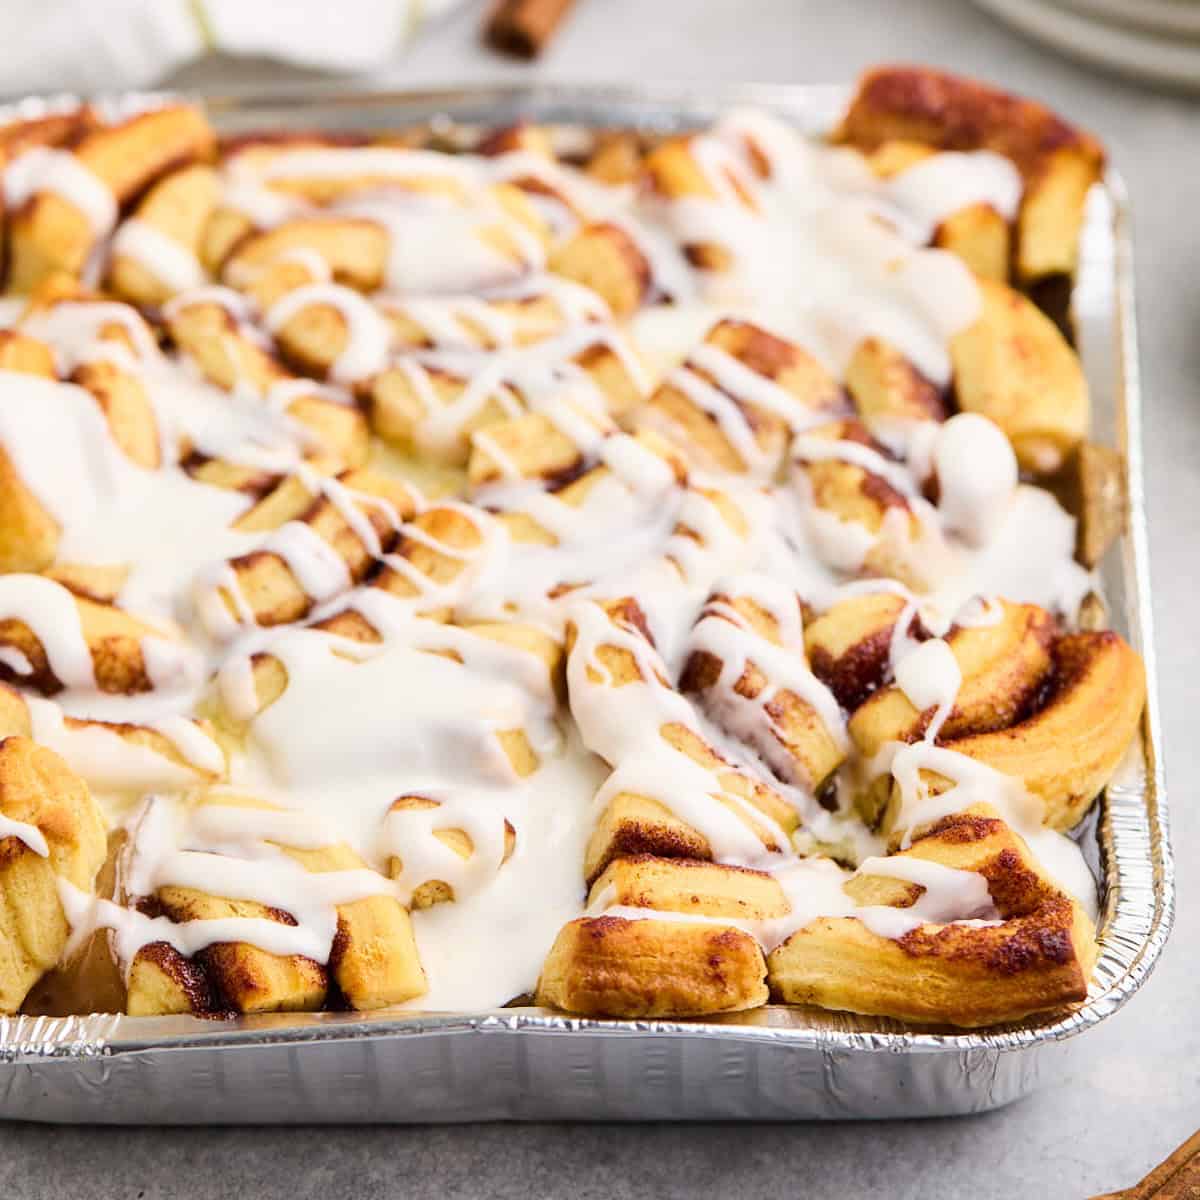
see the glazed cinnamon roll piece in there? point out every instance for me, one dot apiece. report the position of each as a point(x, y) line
point(535, 446)
point(716, 805)
point(849, 644)
point(68, 200)
point(633, 520)
point(502, 318)
point(361, 934)
point(1093, 706)
point(863, 512)
point(51, 832)
point(323, 535)
point(433, 404)
point(1027, 692)
point(616, 157)
point(437, 558)
point(746, 661)
point(353, 250)
point(979, 231)
point(1058, 163)
point(25, 355)
point(963, 928)
point(92, 976)
point(50, 130)
point(432, 889)
point(887, 388)
point(739, 396)
point(105, 348)
point(321, 169)
point(1003, 666)
point(29, 531)
point(55, 640)
point(374, 959)
point(700, 168)
point(605, 258)
point(155, 253)
point(686, 886)
point(220, 340)
point(121, 757)
point(629, 957)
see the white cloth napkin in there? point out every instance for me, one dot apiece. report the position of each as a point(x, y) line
point(105, 45)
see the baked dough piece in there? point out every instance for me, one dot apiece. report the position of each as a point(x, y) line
point(373, 960)
point(1058, 162)
point(435, 408)
point(977, 233)
point(632, 821)
point(50, 233)
point(124, 653)
point(1038, 955)
point(853, 482)
point(604, 258)
point(338, 532)
point(746, 661)
point(43, 803)
point(1014, 367)
point(737, 399)
point(611, 966)
point(190, 756)
point(214, 337)
point(156, 254)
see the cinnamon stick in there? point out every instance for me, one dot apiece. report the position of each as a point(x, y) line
point(523, 27)
point(1178, 1178)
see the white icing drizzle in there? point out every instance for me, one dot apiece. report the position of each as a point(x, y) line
point(725, 634)
point(50, 612)
point(31, 835)
point(367, 333)
point(977, 476)
point(43, 169)
point(950, 896)
point(929, 676)
point(943, 184)
point(111, 763)
point(159, 255)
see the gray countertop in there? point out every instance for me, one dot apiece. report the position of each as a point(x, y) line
point(1131, 1091)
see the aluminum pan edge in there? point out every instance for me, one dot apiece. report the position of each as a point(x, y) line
point(1133, 827)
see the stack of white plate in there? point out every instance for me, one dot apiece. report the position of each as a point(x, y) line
point(1156, 40)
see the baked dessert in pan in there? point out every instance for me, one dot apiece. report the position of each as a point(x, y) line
point(623, 571)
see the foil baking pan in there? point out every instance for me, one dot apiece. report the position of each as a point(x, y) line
point(775, 1063)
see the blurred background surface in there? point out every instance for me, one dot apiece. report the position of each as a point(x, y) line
point(1128, 1092)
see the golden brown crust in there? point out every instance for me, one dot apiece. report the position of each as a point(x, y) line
point(1015, 367)
point(38, 789)
point(1069, 747)
point(1039, 956)
point(612, 967)
point(922, 104)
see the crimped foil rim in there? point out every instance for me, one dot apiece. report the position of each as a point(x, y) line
point(1133, 828)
